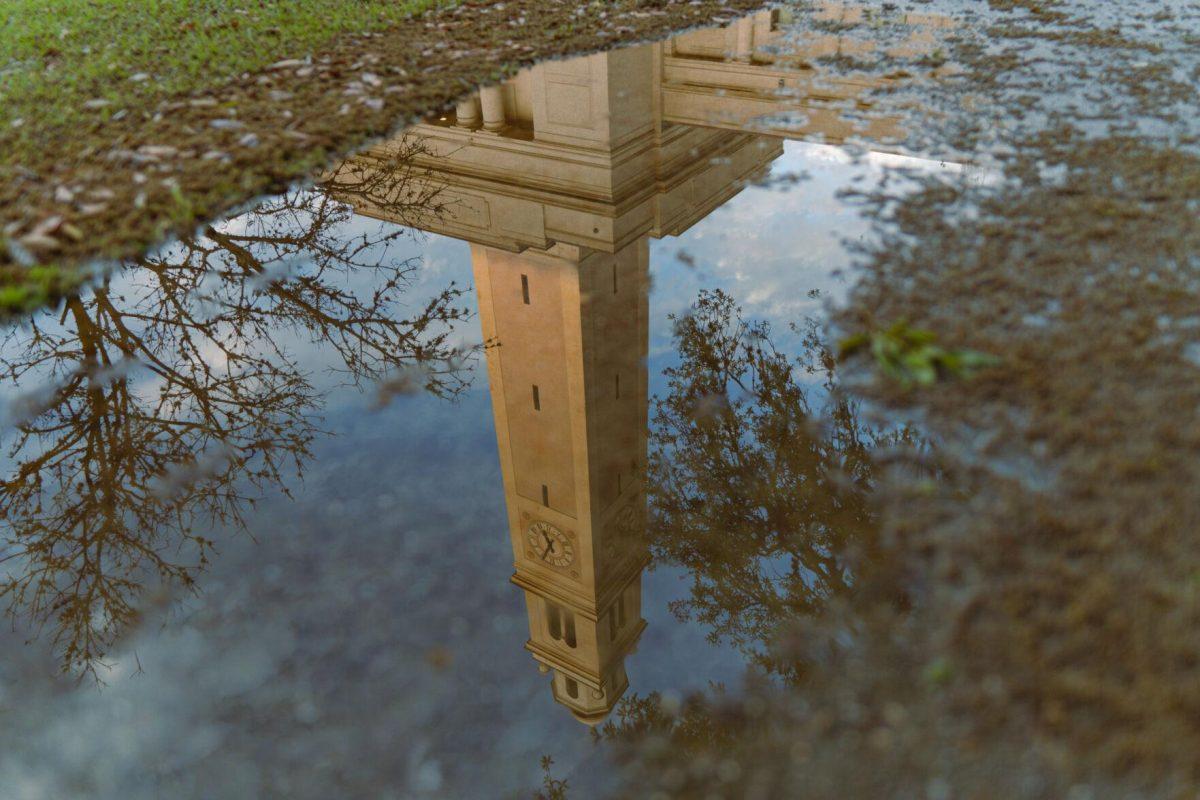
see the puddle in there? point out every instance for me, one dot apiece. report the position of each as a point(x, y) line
point(516, 423)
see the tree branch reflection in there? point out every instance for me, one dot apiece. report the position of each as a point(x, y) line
point(176, 401)
point(761, 476)
point(759, 481)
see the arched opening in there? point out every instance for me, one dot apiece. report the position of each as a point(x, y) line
point(572, 688)
point(554, 621)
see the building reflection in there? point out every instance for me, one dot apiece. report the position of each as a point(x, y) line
point(558, 179)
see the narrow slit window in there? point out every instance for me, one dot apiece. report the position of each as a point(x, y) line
point(614, 278)
point(525, 288)
point(545, 495)
point(618, 483)
point(572, 688)
point(617, 384)
point(537, 400)
point(554, 621)
point(569, 628)
point(621, 611)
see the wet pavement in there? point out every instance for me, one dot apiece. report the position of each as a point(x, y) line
point(524, 426)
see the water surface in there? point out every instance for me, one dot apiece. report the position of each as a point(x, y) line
point(396, 485)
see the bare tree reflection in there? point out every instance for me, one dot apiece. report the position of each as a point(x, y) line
point(175, 401)
point(761, 473)
point(761, 496)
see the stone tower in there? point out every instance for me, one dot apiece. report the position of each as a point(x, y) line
point(568, 385)
point(559, 179)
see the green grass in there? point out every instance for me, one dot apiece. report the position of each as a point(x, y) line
point(65, 64)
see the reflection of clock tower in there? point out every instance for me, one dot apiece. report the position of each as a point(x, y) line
point(568, 380)
point(559, 179)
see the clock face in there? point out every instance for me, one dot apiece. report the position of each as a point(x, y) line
point(549, 544)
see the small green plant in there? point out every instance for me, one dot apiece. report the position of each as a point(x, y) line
point(913, 356)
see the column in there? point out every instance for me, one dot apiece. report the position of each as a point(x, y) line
point(745, 39)
point(467, 112)
point(492, 100)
